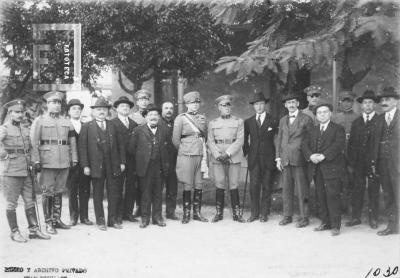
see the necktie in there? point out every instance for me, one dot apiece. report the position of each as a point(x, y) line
point(367, 119)
point(322, 129)
point(102, 125)
point(388, 119)
point(259, 120)
point(127, 123)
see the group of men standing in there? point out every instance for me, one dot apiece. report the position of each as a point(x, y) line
point(134, 155)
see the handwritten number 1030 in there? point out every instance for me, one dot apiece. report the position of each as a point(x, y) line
point(377, 271)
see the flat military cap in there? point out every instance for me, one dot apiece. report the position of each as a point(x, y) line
point(52, 95)
point(290, 97)
point(73, 102)
point(347, 95)
point(389, 92)
point(191, 97)
point(14, 104)
point(256, 97)
point(313, 89)
point(368, 94)
point(101, 102)
point(324, 103)
point(224, 99)
point(123, 99)
point(143, 93)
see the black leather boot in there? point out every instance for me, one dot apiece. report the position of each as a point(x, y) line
point(235, 206)
point(33, 227)
point(12, 222)
point(197, 197)
point(47, 204)
point(187, 203)
point(219, 198)
point(57, 205)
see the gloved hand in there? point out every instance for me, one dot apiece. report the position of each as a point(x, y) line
point(224, 158)
point(38, 167)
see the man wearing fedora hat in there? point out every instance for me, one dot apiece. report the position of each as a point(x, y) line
point(149, 145)
point(363, 166)
point(291, 162)
point(77, 183)
point(259, 132)
point(386, 154)
point(102, 156)
point(124, 127)
point(54, 151)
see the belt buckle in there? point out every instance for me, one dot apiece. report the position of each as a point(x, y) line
point(59, 142)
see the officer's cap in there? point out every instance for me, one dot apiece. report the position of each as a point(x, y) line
point(313, 89)
point(52, 95)
point(224, 99)
point(347, 95)
point(14, 104)
point(191, 97)
point(143, 93)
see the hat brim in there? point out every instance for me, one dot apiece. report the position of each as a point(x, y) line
point(118, 102)
point(145, 112)
point(266, 100)
point(360, 99)
point(73, 104)
point(290, 98)
point(388, 95)
point(97, 106)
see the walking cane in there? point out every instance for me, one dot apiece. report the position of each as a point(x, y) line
point(244, 194)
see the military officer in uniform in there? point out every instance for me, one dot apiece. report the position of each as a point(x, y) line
point(15, 173)
point(188, 137)
point(313, 97)
point(54, 151)
point(225, 141)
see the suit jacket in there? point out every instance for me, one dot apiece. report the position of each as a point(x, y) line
point(173, 152)
point(140, 145)
point(124, 134)
point(394, 138)
point(332, 147)
point(357, 153)
point(260, 147)
point(91, 154)
point(290, 138)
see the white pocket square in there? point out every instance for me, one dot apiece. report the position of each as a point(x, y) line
point(270, 128)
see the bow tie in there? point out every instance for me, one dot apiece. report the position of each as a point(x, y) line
point(153, 126)
point(15, 123)
point(292, 116)
point(192, 113)
point(226, 117)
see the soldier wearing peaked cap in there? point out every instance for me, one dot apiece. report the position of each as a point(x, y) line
point(15, 149)
point(225, 141)
point(189, 137)
point(54, 151)
point(313, 97)
point(142, 101)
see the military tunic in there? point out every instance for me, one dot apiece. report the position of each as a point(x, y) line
point(14, 162)
point(190, 146)
point(310, 113)
point(226, 135)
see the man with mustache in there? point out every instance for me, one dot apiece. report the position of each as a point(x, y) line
point(149, 144)
point(313, 97)
point(171, 182)
point(386, 155)
point(102, 156)
point(291, 162)
point(14, 171)
point(54, 151)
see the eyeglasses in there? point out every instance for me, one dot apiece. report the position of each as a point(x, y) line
point(196, 101)
point(226, 105)
point(315, 95)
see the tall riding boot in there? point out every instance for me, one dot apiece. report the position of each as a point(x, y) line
point(57, 205)
point(235, 206)
point(197, 196)
point(187, 200)
point(12, 222)
point(47, 203)
point(33, 227)
point(220, 198)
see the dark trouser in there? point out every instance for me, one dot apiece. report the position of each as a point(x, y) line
point(390, 178)
point(328, 194)
point(151, 188)
point(171, 190)
point(361, 175)
point(295, 179)
point(128, 191)
point(113, 185)
point(78, 185)
point(260, 184)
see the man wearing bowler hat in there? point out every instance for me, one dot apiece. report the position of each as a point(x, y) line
point(225, 142)
point(259, 132)
point(54, 151)
point(386, 154)
point(102, 156)
point(124, 127)
point(291, 162)
point(359, 157)
point(189, 137)
point(77, 183)
point(149, 145)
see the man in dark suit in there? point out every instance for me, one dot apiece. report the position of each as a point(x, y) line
point(359, 158)
point(149, 144)
point(259, 131)
point(291, 162)
point(171, 181)
point(323, 148)
point(124, 126)
point(386, 152)
point(77, 182)
point(102, 156)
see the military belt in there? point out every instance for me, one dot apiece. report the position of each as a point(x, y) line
point(224, 141)
point(53, 142)
point(21, 151)
point(195, 135)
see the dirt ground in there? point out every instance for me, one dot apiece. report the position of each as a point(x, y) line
point(225, 249)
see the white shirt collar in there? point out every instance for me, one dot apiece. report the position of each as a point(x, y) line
point(152, 130)
point(325, 125)
point(77, 125)
point(391, 113)
point(262, 116)
point(370, 116)
point(295, 113)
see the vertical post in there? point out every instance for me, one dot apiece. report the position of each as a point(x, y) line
point(334, 91)
point(181, 88)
